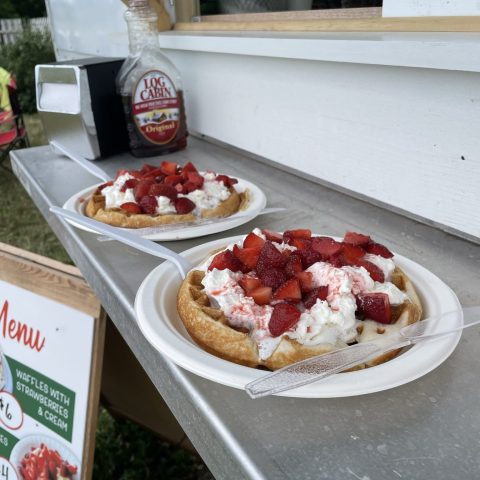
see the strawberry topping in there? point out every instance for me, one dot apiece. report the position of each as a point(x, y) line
point(284, 317)
point(289, 291)
point(294, 264)
point(378, 249)
point(169, 168)
point(142, 188)
point(273, 236)
point(184, 205)
point(306, 281)
point(148, 204)
point(326, 246)
point(249, 283)
point(131, 207)
point(299, 233)
point(357, 239)
point(253, 241)
point(261, 295)
point(159, 190)
point(273, 277)
point(173, 180)
point(375, 306)
point(226, 260)
point(227, 181)
point(270, 257)
point(375, 272)
point(311, 298)
point(248, 256)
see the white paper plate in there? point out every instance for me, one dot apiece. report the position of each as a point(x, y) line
point(33, 441)
point(155, 307)
point(76, 203)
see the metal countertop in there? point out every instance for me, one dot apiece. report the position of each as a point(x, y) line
point(427, 429)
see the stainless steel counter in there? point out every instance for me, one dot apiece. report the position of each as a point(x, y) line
point(428, 429)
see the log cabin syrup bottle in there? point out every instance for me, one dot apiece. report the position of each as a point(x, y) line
point(151, 88)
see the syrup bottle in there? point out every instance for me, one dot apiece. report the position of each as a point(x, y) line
point(151, 88)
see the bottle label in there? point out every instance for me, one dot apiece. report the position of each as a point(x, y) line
point(156, 107)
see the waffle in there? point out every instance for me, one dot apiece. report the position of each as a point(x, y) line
point(95, 208)
point(210, 329)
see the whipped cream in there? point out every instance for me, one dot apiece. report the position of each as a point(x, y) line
point(164, 205)
point(210, 195)
point(114, 197)
point(222, 287)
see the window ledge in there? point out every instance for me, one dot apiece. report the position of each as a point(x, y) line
point(443, 51)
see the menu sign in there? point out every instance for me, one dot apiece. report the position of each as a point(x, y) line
point(47, 375)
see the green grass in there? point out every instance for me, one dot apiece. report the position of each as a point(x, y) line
point(124, 450)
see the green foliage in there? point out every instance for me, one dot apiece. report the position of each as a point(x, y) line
point(125, 451)
point(31, 48)
point(22, 9)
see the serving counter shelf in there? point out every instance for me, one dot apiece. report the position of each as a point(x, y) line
point(427, 429)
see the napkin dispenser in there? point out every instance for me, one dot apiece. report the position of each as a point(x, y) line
point(79, 106)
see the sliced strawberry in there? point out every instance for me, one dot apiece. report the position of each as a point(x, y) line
point(378, 249)
point(309, 257)
point(159, 178)
point(169, 168)
point(306, 281)
point(261, 295)
point(131, 207)
point(358, 239)
point(270, 257)
point(142, 188)
point(273, 277)
point(319, 293)
point(248, 256)
point(249, 283)
point(289, 291)
point(189, 167)
point(155, 173)
point(375, 306)
point(184, 205)
point(104, 185)
point(338, 260)
point(352, 253)
point(294, 264)
point(147, 168)
point(188, 187)
point(130, 183)
point(300, 243)
point(273, 236)
point(227, 181)
point(326, 246)
point(376, 273)
point(196, 179)
point(173, 180)
point(298, 233)
point(148, 204)
point(253, 241)
point(226, 261)
point(284, 317)
point(160, 190)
